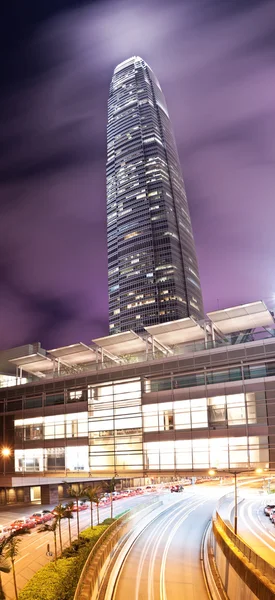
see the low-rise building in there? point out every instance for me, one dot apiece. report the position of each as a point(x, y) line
point(180, 399)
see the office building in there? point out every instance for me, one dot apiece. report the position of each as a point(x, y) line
point(152, 265)
point(179, 399)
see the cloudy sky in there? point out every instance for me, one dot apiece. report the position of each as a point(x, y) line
point(215, 63)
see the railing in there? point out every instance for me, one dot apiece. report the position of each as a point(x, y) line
point(259, 563)
point(135, 359)
point(91, 574)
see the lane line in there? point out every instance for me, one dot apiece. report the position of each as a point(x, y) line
point(163, 594)
point(17, 561)
point(253, 531)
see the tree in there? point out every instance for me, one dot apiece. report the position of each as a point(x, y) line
point(93, 494)
point(109, 486)
point(12, 551)
point(76, 495)
point(69, 515)
point(50, 527)
point(4, 567)
point(60, 513)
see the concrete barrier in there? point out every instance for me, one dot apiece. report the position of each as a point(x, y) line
point(244, 574)
point(103, 551)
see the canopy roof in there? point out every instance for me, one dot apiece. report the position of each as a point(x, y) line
point(242, 318)
point(118, 344)
point(177, 332)
point(74, 354)
point(34, 363)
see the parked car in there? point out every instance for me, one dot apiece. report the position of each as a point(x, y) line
point(81, 506)
point(268, 508)
point(5, 530)
point(41, 517)
point(54, 512)
point(23, 523)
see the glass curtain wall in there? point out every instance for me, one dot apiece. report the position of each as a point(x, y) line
point(115, 426)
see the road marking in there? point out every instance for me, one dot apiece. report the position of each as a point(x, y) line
point(253, 530)
point(40, 546)
point(22, 557)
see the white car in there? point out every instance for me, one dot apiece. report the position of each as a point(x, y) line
point(5, 530)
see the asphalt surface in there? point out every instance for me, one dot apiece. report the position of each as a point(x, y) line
point(164, 562)
point(33, 546)
point(256, 529)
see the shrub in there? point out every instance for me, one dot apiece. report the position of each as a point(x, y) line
point(58, 580)
point(93, 534)
point(55, 580)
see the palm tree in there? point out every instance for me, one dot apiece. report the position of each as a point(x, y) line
point(59, 512)
point(50, 527)
point(97, 501)
point(69, 515)
point(4, 567)
point(109, 486)
point(12, 551)
point(77, 495)
point(93, 494)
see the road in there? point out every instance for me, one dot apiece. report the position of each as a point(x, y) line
point(33, 547)
point(164, 562)
point(181, 567)
point(256, 529)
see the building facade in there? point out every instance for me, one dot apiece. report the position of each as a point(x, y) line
point(152, 265)
point(207, 403)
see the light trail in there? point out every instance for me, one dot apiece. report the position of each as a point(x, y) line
point(248, 525)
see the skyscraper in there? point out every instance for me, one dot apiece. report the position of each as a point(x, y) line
point(152, 266)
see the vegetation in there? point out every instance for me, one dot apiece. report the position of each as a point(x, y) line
point(69, 515)
point(58, 580)
point(50, 527)
point(10, 550)
point(60, 513)
point(76, 495)
point(55, 581)
point(109, 486)
point(94, 494)
point(4, 568)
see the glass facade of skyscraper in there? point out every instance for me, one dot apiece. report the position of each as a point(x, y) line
point(153, 271)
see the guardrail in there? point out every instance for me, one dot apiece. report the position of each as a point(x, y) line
point(100, 555)
point(259, 563)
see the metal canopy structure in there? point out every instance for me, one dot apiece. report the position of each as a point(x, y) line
point(34, 364)
point(177, 332)
point(119, 344)
point(75, 354)
point(242, 318)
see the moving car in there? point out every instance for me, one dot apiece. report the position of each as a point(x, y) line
point(268, 509)
point(176, 488)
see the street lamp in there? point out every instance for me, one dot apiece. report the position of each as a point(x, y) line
point(5, 452)
point(235, 473)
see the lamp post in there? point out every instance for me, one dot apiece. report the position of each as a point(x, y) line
point(235, 473)
point(5, 452)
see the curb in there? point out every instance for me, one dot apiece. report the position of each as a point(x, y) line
point(212, 580)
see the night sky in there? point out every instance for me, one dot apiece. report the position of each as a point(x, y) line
point(215, 62)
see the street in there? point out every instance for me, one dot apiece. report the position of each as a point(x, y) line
point(164, 562)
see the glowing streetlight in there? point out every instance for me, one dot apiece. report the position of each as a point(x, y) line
point(5, 452)
point(235, 473)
